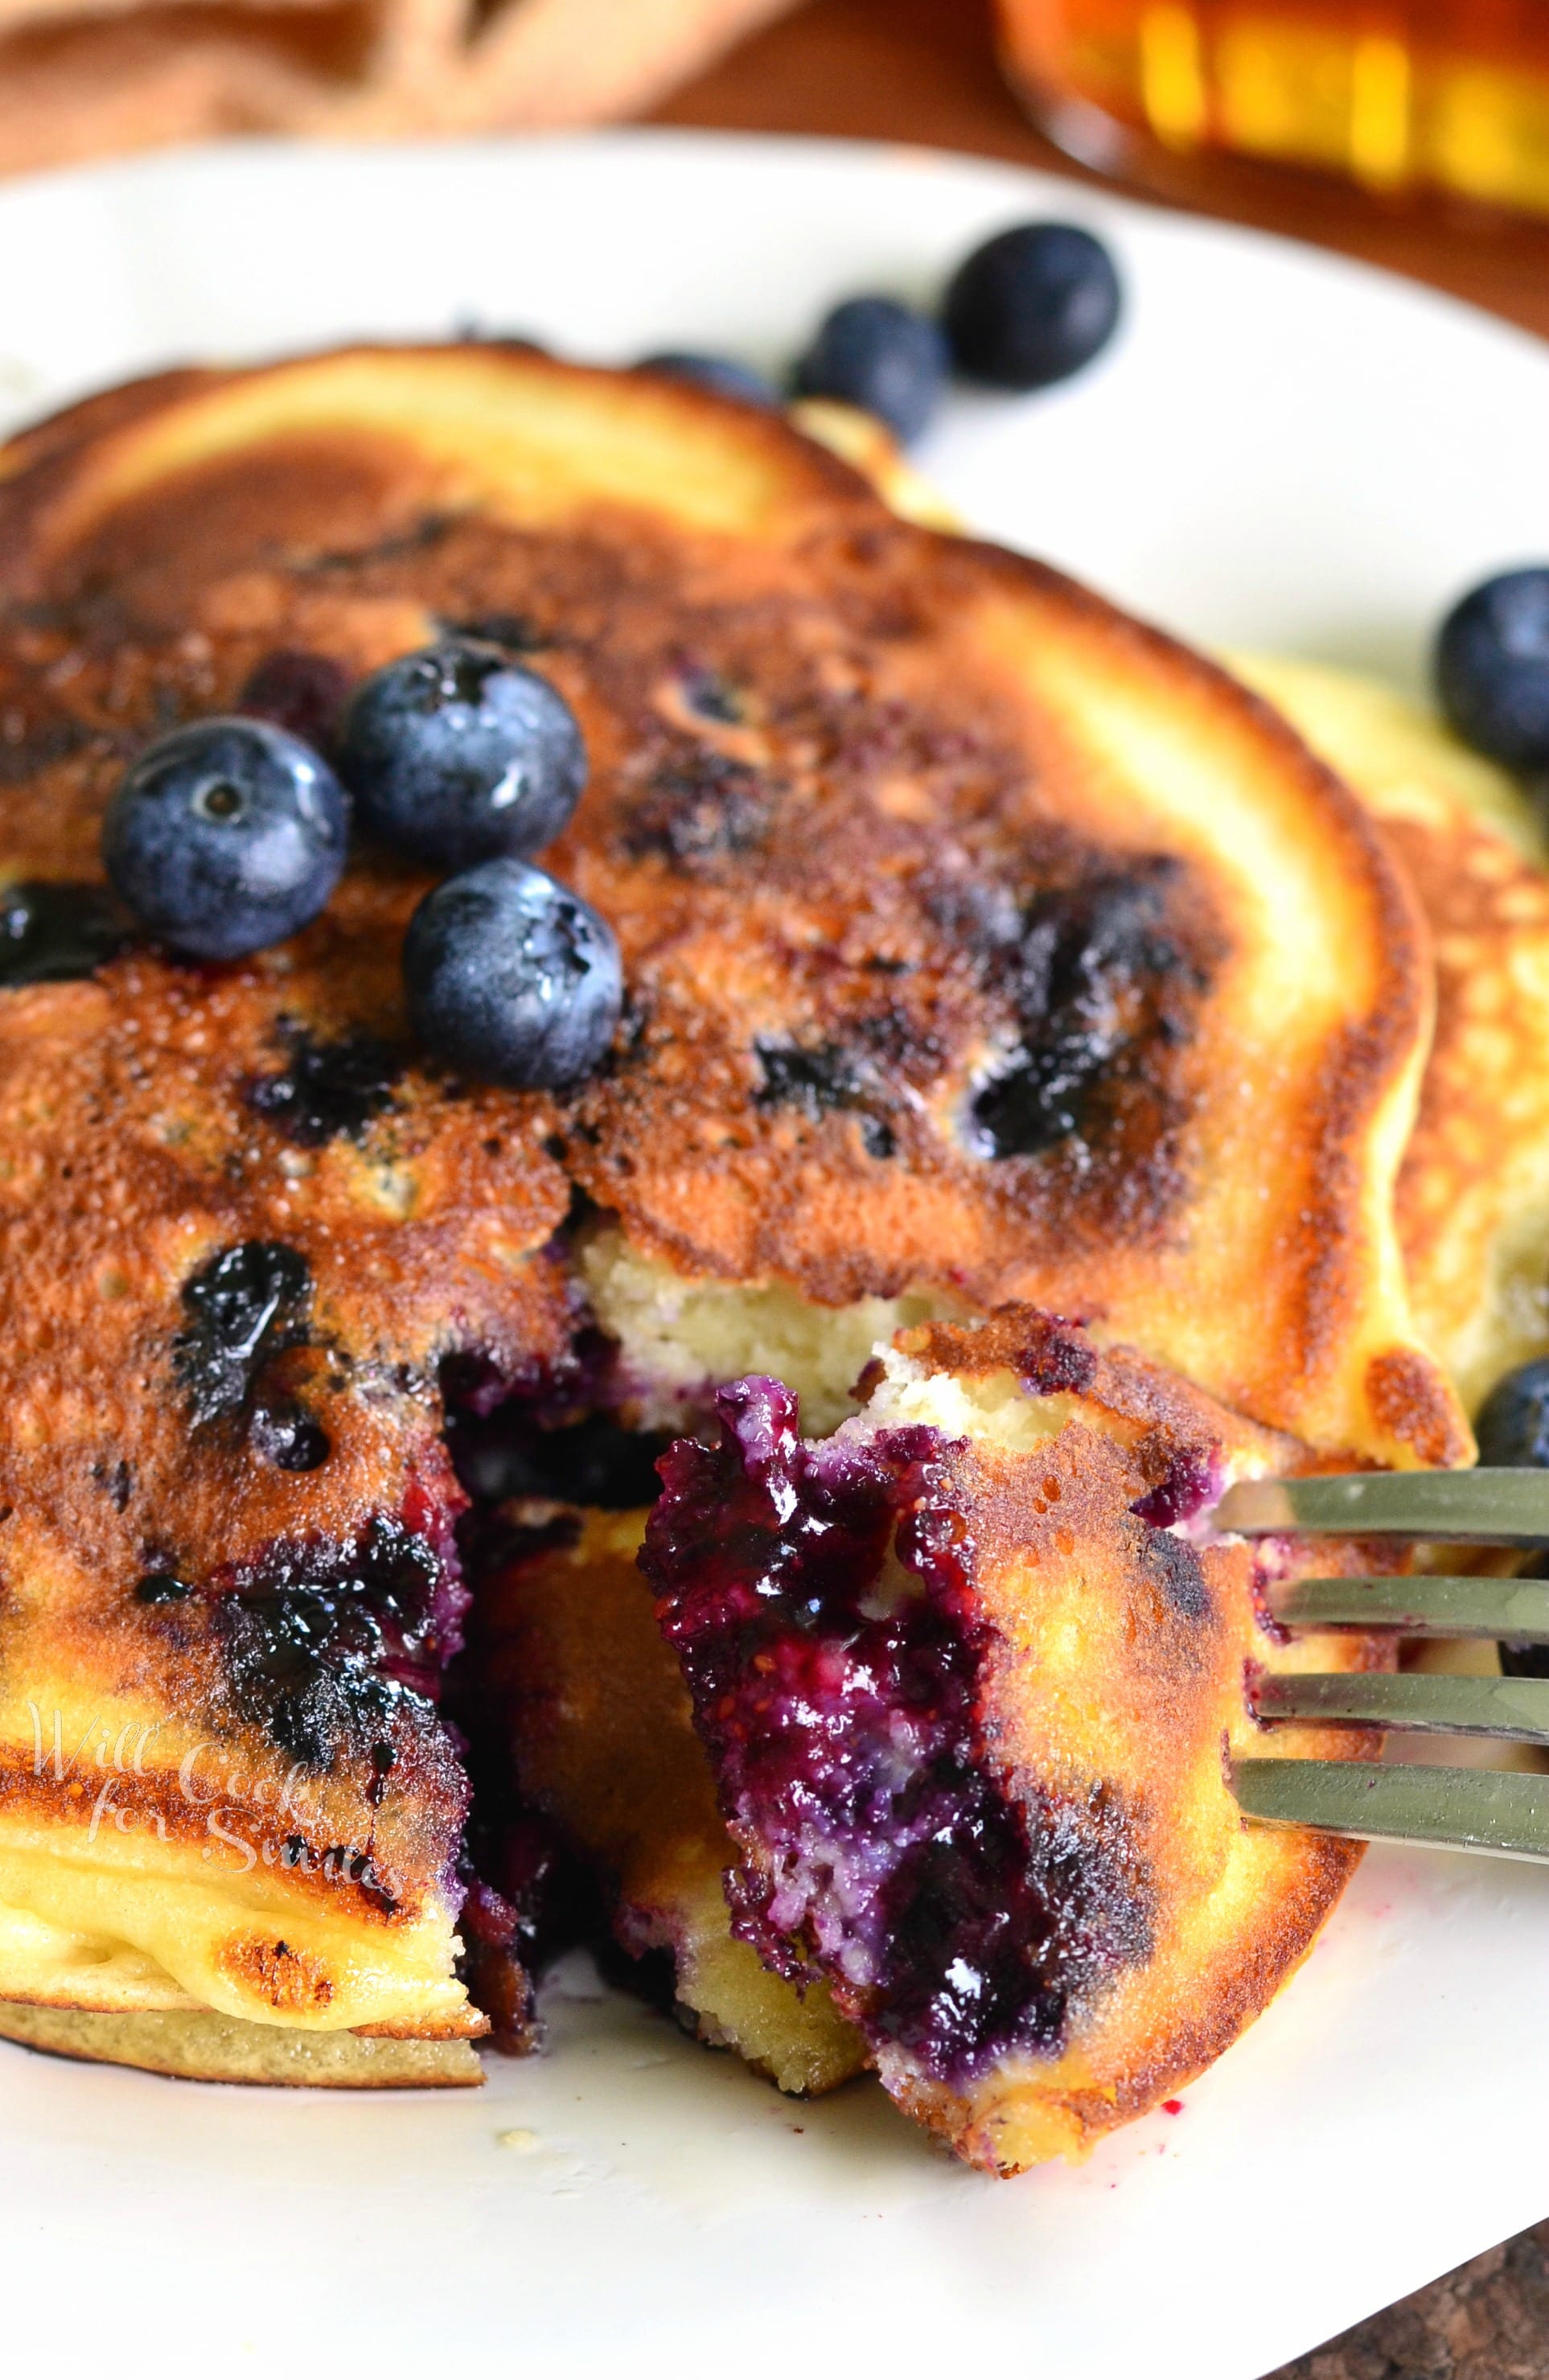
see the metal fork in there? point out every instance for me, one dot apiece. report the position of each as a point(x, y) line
point(1459, 1809)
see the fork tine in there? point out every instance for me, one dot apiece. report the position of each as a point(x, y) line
point(1451, 1809)
point(1513, 1707)
point(1500, 1508)
point(1515, 1608)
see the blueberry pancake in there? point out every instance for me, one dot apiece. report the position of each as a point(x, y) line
point(970, 1672)
point(978, 943)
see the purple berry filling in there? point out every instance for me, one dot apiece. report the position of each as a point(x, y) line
point(839, 1694)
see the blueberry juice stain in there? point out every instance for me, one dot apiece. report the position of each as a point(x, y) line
point(838, 1695)
point(328, 1647)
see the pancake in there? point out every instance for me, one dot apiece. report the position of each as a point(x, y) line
point(978, 942)
point(949, 896)
point(970, 1672)
point(1473, 1191)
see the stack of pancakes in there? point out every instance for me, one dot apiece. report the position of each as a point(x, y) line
point(987, 955)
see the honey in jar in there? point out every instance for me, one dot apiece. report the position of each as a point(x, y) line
point(1398, 94)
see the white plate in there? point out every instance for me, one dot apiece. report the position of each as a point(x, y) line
point(1280, 450)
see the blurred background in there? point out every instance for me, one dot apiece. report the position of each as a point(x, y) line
point(1414, 132)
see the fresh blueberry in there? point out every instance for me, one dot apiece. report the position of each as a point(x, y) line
point(1032, 305)
point(1513, 1423)
point(458, 754)
point(1492, 668)
point(876, 354)
point(718, 373)
point(512, 977)
point(225, 836)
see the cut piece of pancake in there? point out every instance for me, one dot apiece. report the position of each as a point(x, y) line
point(978, 941)
point(1473, 1191)
point(573, 1671)
point(970, 1673)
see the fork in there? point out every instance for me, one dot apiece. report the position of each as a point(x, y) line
point(1457, 1809)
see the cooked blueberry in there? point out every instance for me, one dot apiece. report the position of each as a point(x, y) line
point(52, 933)
point(327, 1089)
point(161, 1586)
point(326, 1644)
point(289, 1438)
point(718, 373)
point(512, 977)
point(1032, 305)
point(302, 692)
point(1492, 668)
point(458, 754)
point(225, 836)
point(876, 354)
point(1513, 1424)
point(244, 1305)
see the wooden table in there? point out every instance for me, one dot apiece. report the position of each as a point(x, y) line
point(925, 70)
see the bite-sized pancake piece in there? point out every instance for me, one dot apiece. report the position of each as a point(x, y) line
point(1473, 1191)
point(970, 1673)
point(979, 941)
point(600, 1734)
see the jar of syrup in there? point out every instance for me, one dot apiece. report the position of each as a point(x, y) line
point(1401, 96)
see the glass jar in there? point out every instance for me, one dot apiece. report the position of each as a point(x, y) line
point(1400, 95)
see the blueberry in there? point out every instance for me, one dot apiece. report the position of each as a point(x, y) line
point(458, 754)
point(1513, 1423)
point(225, 836)
point(512, 977)
point(876, 354)
point(1032, 305)
point(1492, 668)
point(718, 373)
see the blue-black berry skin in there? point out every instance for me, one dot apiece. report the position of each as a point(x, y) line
point(459, 754)
point(719, 374)
point(1492, 668)
point(1031, 306)
point(876, 354)
point(512, 979)
point(1513, 1423)
point(225, 836)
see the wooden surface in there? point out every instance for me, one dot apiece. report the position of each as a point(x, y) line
point(925, 70)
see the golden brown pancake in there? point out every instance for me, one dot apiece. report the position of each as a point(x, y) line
point(978, 942)
point(1473, 1191)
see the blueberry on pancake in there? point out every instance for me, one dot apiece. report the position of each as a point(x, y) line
point(976, 944)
